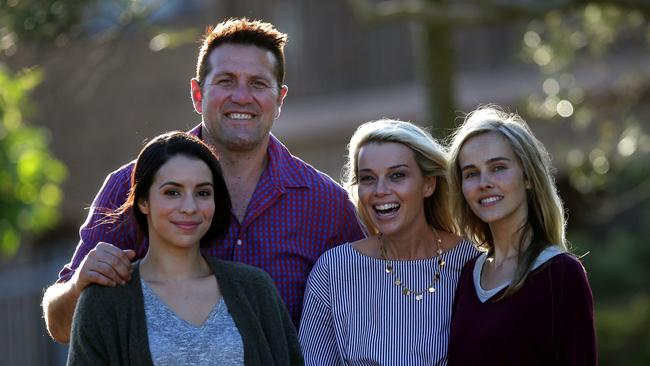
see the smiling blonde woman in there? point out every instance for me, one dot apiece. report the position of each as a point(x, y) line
point(526, 300)
point(386, 299)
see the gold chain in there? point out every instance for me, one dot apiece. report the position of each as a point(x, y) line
point(419, 295)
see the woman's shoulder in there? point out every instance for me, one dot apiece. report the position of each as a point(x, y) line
point(566, 262)
point(236, 269)
point(96, 297)
point(338, 253)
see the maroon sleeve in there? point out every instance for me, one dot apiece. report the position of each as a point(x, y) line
point(122, 233)
point(577, 336)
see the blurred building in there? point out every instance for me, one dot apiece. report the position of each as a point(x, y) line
point(101, 98)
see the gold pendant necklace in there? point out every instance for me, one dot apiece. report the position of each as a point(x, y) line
point(390, 270)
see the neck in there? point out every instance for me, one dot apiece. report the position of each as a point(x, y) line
point(243, 168)
point(238, 164)
point(419, 243)
point(241, 171)
point(165, 265)
point(508, 243)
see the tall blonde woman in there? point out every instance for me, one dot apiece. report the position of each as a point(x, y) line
point(526, 300)
point(386, 299)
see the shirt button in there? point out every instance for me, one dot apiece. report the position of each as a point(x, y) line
point(238, 241)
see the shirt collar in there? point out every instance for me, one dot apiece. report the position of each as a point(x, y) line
point(284, 169)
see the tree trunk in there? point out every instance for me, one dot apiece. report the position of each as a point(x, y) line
point(438, 70)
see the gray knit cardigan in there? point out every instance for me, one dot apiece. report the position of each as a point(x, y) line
point(109, 325)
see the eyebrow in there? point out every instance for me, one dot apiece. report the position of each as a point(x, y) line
point(390, 167)
point(489, 161)
point(175, 184)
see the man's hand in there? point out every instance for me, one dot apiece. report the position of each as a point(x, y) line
point(106, 265)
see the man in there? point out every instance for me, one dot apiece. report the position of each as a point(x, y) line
point(285, 213)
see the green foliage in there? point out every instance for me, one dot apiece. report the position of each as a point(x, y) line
point(38, 20)
point(30, 178)
point(609, 167)
point(617, 266)
point(620, 279)
point(563, 43)
point(623, 332)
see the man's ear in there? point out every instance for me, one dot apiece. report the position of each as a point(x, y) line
point(197, 95)
point(143, 205)
point(283, 94)
point(429, 186)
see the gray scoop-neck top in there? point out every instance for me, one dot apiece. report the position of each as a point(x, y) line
point(174, 341)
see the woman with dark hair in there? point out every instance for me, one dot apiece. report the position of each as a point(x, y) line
point(181, 307)
point(526, 300)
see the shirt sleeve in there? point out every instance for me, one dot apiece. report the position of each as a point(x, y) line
point(577, 344)
point(121, 232)
point(349, 228)
point(317, 333)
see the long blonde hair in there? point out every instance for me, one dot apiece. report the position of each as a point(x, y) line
point(545, 222)
point(430, 157)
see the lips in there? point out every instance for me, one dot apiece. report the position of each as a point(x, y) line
point(490, 200)
point(187, 225)
point(385, 209)
point(240, 115)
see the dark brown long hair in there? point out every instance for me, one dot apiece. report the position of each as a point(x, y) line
point(154, 155)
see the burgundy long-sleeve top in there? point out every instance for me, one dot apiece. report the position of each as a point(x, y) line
point(549, 321)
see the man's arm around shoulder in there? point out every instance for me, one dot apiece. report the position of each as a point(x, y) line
point(106, 265)
point(103, 264)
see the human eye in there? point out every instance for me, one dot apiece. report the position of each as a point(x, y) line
point(468, 174)
point(260, 84)
point(397, 175)
point(222, 81)
point(204, 193)
point(171, 193)
point(499, 167)
point(366, 179)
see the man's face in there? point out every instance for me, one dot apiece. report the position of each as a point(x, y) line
point(240, 97)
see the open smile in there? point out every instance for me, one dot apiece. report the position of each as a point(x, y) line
point(489, 201)
point(240, 116)
point(386, 209)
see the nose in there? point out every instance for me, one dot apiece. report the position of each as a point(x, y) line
point(241, 94)
point(188, 205)
point(381, 188)
point(485, 182)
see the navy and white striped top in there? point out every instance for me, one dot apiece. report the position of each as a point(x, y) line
point(354, 314)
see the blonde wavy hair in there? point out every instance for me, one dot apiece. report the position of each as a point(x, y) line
point(545, 222)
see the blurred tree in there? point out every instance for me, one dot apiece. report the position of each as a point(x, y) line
point(439, 19)
point(613, 41)
point(39, 21)
point(607, 168)
point(30, 177)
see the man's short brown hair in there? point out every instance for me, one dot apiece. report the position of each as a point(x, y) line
point(245, 32)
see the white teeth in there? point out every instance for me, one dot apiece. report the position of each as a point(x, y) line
point(491, 199)
point(239, 115)
point(386, 206)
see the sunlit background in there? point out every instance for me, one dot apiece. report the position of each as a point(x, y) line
point(84, 82)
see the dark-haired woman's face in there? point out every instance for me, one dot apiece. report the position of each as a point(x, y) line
point(180, 204)
point(493, 182)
